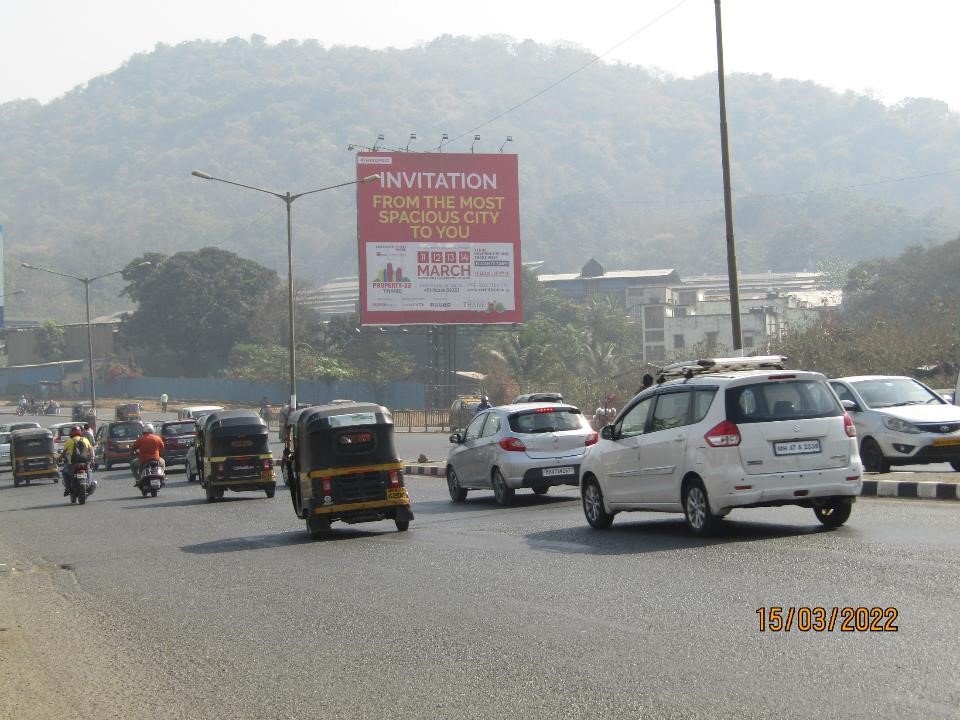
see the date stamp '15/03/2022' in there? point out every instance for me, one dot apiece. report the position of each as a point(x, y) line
point(775, 618)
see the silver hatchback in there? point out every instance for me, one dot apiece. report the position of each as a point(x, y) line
point(524, 445)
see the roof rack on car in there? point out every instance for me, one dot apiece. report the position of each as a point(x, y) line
point(689, 368)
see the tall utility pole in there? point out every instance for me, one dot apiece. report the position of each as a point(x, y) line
point(728, 199)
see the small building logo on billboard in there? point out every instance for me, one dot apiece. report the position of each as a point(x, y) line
point(376, 160)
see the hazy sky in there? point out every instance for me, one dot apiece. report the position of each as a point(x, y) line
point(890, 49)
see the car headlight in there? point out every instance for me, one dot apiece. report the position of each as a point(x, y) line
point(898, 425)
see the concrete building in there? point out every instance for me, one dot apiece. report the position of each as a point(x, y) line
point(23, 343)
point(681, 317)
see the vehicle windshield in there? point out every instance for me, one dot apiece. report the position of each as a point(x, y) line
point(895, 392)
point(188, 427)
point(543, 420)
point(781, 400)
point(4, 438)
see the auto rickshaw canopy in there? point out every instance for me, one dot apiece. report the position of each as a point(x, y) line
point(343, 435)
point(31, 441)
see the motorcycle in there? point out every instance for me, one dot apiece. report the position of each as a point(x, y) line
point(81, 486)
point(151, 477)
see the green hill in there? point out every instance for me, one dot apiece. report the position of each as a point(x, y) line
point(616, 162)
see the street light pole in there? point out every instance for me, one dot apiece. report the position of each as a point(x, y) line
point(86, 290)
point(288, 199)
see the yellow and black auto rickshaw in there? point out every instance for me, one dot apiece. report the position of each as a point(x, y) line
point(127, 411)
point(32, 456)
point(344, 467)
point(233, 454)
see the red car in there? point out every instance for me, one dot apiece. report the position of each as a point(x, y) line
point(114, 440)
point(178, 437)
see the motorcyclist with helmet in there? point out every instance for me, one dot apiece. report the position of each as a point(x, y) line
point(147, 447)
point(67, 457)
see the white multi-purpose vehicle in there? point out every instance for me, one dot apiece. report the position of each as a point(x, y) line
point(725, 433)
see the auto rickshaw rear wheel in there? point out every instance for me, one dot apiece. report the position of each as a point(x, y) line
point(270, 492)
point(317, 526)
point(402, 525)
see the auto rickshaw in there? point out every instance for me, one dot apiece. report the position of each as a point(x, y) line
point(127, 411)
point(345, 467)
point(32, 456)
point(233, 453)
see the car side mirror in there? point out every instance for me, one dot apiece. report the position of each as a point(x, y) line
point(456, 438)
point(607, 432)
point(850, 405)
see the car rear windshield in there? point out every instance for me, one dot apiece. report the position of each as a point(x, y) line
point(126, 431)
point(781, 400)
point(182, 428)
point(541, 420)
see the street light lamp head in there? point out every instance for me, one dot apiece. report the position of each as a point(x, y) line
point(475, 139)
point(205, 176)
point(508, 140)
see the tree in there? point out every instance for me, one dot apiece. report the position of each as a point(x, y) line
point(271, 363)
point(193, 308)
point(51, 341)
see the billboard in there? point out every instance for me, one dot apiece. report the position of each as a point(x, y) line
point(439, 238)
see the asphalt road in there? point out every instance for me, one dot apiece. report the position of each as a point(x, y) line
point(173, 607)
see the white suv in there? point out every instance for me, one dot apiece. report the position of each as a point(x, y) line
point(725, 433)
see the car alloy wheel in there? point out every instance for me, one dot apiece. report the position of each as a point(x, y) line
point(593, 510)
point(872, 456)
point(696, 507)
point(457, 493)
point(501, 493)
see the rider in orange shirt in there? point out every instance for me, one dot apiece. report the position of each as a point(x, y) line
point(147, 447)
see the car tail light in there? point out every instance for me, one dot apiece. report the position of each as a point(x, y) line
point(781, 377)
point(592, 439)
point(725, 434)
point(512, 444)
point(220, 471)
point(267, 464)
point(849, 426)
point(396, 479)
point(545, 409)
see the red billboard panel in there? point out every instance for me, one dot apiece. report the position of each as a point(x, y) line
point(439, 237)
